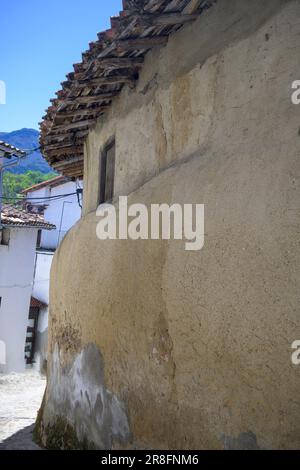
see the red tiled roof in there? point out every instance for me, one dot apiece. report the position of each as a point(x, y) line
point(51, 183)
point(35, 303)
point(16, 217)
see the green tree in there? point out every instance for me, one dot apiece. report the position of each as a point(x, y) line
point(14, 184)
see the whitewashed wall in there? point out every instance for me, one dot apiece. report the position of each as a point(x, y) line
point(39, 193)
point(16, 280)
point(63, 213)
point(41, 292)
point(42, 275)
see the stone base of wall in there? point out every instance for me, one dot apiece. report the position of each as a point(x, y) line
point(78, 411)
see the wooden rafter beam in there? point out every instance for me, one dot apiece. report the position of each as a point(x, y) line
point(71, 137)
point(74, 173)
point(119, 62)
point(141, 43)
point(72, 161)
point(193, 6)
point(68, 152)
point(88, 99)
point(100, 81)
point(107, 51)
point(64, 145)
point(113, 63)
point(165, 19)
point(134, 44)
point(53, 155)
point(73, 167)
point(72, 126)
point(81, 112)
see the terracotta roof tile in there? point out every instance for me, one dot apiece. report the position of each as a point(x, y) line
point(35, 303)
point(16, 217)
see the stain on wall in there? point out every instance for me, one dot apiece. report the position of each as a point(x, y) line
point(78, 400)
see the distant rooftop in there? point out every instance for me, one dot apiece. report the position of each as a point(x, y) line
point(16, 217)
point(35, 303)
point(51, 183)
point(9, 150)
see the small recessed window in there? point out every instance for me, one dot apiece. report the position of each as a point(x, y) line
point(39, 239)
point(4, 237)
point(107, 173)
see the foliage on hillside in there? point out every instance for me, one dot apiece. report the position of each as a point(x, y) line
point(13, 184)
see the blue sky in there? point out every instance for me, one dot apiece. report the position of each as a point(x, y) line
point(39, 42)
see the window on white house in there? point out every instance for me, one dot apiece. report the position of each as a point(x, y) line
point(39, 239)
point(107, 172)
point(4, 236)
point(2, 346)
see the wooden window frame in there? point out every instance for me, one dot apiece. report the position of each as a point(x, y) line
point(103, 172)
point(5, 235)
point(39, 240)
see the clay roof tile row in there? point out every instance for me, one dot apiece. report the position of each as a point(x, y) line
point(9, 150)
point(12, 216)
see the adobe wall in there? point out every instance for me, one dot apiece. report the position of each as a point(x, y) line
point(150, 345)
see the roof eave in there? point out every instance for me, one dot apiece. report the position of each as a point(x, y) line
point(111, 62)
point(37, 227)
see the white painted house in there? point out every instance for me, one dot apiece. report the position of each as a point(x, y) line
point(60, 202)
point(18, 239)
point(62, 207)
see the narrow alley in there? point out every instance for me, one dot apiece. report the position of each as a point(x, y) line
point(20, 398)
